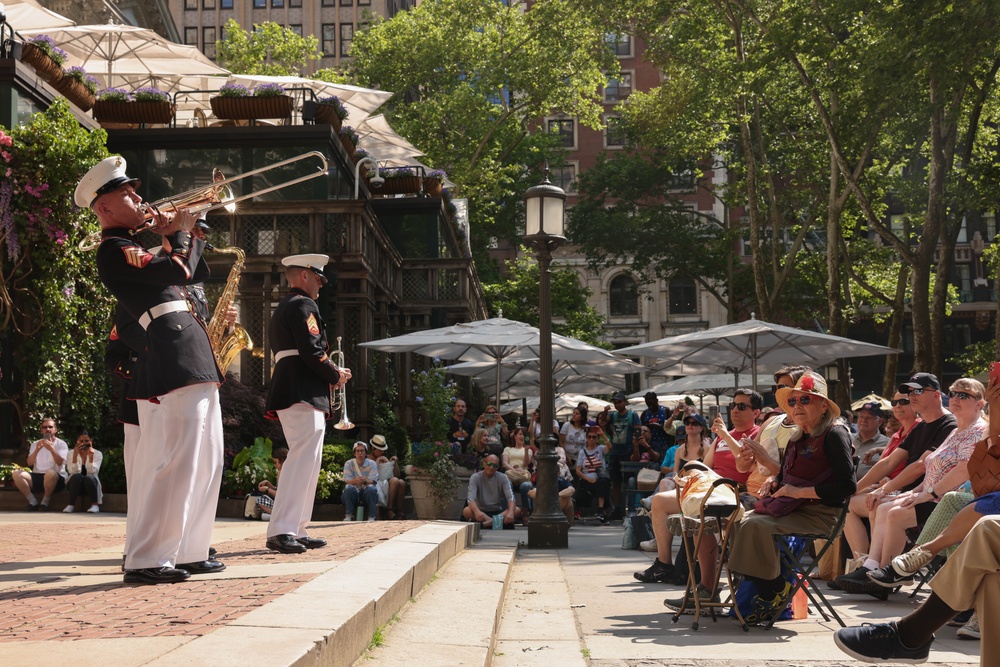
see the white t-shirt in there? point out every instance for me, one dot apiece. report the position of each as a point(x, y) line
point(576, 439)
point(44, 461)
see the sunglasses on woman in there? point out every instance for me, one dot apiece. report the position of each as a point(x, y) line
point(800, 400)
point(899, 401)
point(695, 422)
point(962, 396)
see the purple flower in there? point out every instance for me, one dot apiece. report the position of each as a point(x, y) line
point(268, 90)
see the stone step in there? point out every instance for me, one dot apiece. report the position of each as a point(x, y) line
point(455, 620)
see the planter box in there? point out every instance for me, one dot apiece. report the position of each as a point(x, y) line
point(47, 68)
point(402, 185)
point(327, 115)
point(76, 92)
point(423, 501)
point(134, 113)
point(348, 145)
point(252, 108)
point(432, 186)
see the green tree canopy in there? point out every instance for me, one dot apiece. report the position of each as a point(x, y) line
point(269, 50)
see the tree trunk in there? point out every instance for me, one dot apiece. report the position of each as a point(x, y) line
point(895, 332)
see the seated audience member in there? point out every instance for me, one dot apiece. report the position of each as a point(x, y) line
point(360, 480)
point(743, 410)
point(459, 426)
point(535, 430)
point(868, 437)
point(266, 489)
point(479, 442)
point(83, 466)
point(391, 488)
point(984, 475)
point(516, 464)
point(490, 495)
point(816, 479)
point(897, 427)
point(47, 459)
point(564, 479)
point(592, 476)
point(696, 444)
point(946, 469)
point(657, 420)
point(573, 434)
point(496, 430)
point(924, 394)
point(969, 577)
point(642, 452)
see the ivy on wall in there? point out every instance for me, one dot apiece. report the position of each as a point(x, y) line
point(54, 311)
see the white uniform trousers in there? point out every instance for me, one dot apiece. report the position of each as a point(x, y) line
point(133, 433)
point(303, 426)
point(180, 460)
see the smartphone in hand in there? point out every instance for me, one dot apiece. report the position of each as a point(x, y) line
point(995, 372)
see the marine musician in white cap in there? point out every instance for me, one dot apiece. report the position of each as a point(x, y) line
point(299, 397)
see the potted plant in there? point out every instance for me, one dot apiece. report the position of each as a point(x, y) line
point(78, 87)
point(250, 467)
point(331, 110)
point(434, 182)
point(349, 139)
point(401, 181)
point(237, 102)
point(42, 53)
point(144, 106)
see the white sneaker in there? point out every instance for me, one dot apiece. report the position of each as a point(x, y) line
point(348, 517)
point(971, 629)
point(648, 545)
point(94, 509)
point(69, 509)
point(647, 502)
point(371, 518)
point(264, 516)
point(909, 564)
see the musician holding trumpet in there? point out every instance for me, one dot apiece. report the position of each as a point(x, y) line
point(179, 456)
point(299, 397)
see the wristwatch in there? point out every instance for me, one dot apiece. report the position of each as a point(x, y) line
point(933, 495)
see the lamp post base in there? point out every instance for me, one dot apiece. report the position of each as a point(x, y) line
point(548, 534)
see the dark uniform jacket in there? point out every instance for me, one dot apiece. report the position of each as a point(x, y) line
point(306, 377)
point(178, 352)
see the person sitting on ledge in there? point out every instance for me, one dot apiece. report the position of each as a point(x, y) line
point(360, 480)
point(83, 465)
point(491, 495)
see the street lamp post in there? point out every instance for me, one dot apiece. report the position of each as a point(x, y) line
point(544, 208)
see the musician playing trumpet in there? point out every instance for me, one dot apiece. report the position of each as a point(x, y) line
point(179, 456)
point(299, 397)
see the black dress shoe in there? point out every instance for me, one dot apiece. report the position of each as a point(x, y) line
point(31, 508)
point(155, 575)
point(311, 542)
point(286, 544)
point(202, 566)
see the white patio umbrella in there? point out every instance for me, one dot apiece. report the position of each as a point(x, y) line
point(120, 50)
point(491, 340)
point(522, 377)
point(746, 346)
point(884, 402)
point(25, 15)
point(564, 405)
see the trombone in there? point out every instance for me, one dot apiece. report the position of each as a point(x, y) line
point(212, 197)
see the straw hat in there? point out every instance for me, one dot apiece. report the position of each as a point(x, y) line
point(378, 443)
point(809, 383)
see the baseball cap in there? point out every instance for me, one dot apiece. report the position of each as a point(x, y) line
point(872, 407)
point(619, 396)
point(920, 381)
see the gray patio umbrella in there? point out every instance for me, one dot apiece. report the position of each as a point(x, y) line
point(745, 346)
point(520, 378)
point(493, 340)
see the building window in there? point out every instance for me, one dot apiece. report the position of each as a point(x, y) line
point(260, 4)
point(329, 3)
point(614, 134)
point(190, 4)
point(208, 4)
point(296, 28)
point(225, 4)
point(295, 4)
point(963, 231)
point(963, 274)
point(618, 89)
point(990, 221)
point(624, 297)
point(346, 38)
point(329, 43)
point(191, 36)
point(683, 296)
point(346, 3)
point(364, 3)
point(564, 177)
point(566, 129)
point(208, 42)
point(620, 45)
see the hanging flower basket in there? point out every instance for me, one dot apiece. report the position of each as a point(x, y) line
point(44, 65)
point(326, 114)
point(76, 92)
point(432, 186)
point(143, 113)
point(348, 145)
point(401, 185)
point(252, 107)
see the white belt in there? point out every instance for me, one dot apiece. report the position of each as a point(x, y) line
point(285, 353)
point(160, 310)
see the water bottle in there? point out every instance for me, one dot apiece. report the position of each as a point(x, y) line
point(361, 514)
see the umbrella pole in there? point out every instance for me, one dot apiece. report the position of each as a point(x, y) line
point(753, 359)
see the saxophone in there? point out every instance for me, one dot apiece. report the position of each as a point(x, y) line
point(225, 344)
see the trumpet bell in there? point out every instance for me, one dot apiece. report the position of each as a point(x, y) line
point(343, 425)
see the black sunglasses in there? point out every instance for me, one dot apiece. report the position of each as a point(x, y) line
point(962, 396)
point(695, 422)
point(801, 400)
point(742, 406)
point(899, 401)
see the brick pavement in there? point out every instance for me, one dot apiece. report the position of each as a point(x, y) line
point(100, 606)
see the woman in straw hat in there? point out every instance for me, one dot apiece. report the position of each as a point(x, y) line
point(816, 479)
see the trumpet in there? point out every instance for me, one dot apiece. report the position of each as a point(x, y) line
point(338, 397)
point(213, 197)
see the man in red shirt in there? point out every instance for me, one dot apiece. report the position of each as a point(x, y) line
point(743, 412)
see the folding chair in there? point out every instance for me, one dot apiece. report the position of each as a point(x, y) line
point(712, 519)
